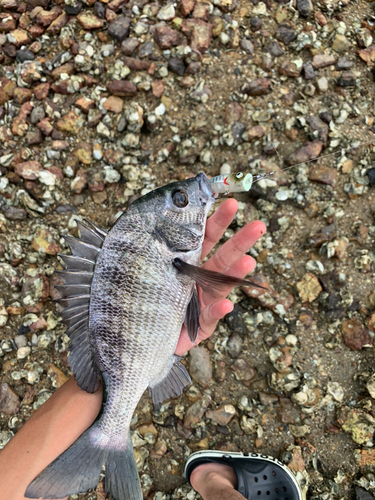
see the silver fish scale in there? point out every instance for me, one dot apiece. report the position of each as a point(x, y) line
point(137, 307)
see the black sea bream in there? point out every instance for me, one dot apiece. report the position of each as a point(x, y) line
point(126, 295)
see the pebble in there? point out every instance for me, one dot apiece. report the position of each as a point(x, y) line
point(309, 288)
point(355, 335)
point(23, 352)
point(223, 415)
point(200, 367)
point(9, 401)
point(196, 411)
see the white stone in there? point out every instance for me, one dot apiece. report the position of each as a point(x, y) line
point(323, 84)
point(167, 12)
point(47, 178)
point(23, 352)
point(160, 110)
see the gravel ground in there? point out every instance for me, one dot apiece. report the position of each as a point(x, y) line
point(101, 102)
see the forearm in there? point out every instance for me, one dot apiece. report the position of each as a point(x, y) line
point(50, 431)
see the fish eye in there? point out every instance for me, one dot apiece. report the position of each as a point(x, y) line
point(180, 198)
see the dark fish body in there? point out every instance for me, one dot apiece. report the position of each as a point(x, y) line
point(124, 304)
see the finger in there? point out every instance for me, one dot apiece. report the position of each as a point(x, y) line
point(210, 317)
point(235, 247)
point(239, 269)
point(217, 224)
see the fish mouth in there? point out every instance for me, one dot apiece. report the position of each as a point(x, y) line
point(206, 194)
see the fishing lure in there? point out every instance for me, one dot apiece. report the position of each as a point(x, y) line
point(231, 183)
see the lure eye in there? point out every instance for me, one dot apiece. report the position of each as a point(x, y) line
point(180, 199)
point(239, 175)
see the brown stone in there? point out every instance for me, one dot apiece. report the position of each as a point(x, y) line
point(43, 240)
point(355, 335)
point(36, 30)
point(85, 104)
point(186, 6)
point(35, 47)
point(200, 366)
point(157, 88)
point(19, 125)
point(83, 152)
point(309, 287)
point(254, 133)
point(199, 33)
point(99, 197)
point(79, 183)
point(114, 104)
point(243, 371)
point(7, 22)
point(122, 88)
point(320, 19)
point(89, 21)
point(166, 37)
point(116, 5)
point(233, 112)
point(67, 68)
point(70, 123)
point(309, 151)
point(19, 37)
point(367, 55)
point(261, 86)
point(55, 27)
point(45, 17)
point(35, 291)
point(323, 175)
point(202, 11)
point(9, 401)
point(21, 95)
point(41, 91)
point(366, 459)
point(9, 4)
point(45, 127)
point(28, 170)
point(196, 411)
point(56, 375)
point(290, 68)
point(322, 61)
point(136, 64)
point(223, 415)
point(297, 463)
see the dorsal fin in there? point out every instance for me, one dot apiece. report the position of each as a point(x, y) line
point(74, 302)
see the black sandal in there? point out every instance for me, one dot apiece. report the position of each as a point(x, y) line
point(259, 476)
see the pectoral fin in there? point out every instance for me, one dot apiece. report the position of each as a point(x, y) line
point(192, 316)
point(170, 384)
point(210, 281)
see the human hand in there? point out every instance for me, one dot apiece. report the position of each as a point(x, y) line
point(228, 259)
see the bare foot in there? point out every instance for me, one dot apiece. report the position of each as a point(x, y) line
point(211, 476)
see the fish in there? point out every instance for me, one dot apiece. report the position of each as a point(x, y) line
point(125, 295)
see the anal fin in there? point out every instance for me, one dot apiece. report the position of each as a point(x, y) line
point(170, 383)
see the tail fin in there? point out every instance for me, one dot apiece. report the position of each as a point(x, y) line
point(121, 475)
point(74, 471)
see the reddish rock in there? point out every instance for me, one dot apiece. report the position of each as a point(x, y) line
point(223, 415)
point(166, 37)
point(355, 335)
point(186, 6)
point(9, 401)
point(290, 68)
point(116, 5)
point(367, 55)
point(199, 33)
point(57, 24)
point(243, 371)
point(254, 133)
point(19, 125)
point(41, 91)
point(45, 127)
point(46, 17)
point(233, 112)
point(262, 86)
point(70, 123)
point(122, 88)
point(85, 104)
point(89, 21)
point(19, 37)
point(21, 95)
point(28, 170)
point(309, 151)
point(157, 88)
point(119, 28)
point(36, 30)
point(136, 64)
point(67, 68)
point(322, 61)
point(7, 22)
point(79, 183)
point(323, 175)
point(201, 11)
point(196, 411)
